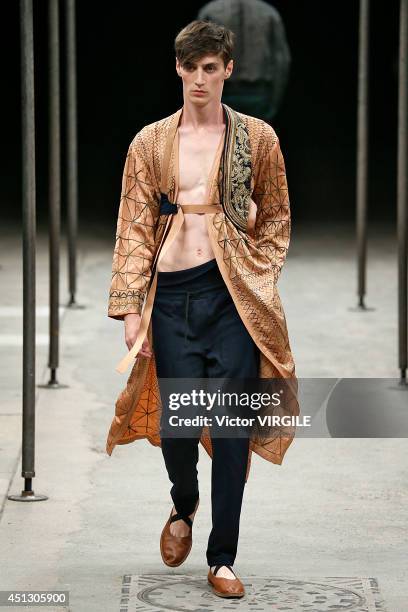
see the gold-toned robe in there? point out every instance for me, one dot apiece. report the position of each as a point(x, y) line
point(250, 252)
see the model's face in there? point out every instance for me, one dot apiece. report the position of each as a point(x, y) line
point(203, 79)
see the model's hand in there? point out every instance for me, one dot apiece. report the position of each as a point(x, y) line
point(251, 218)
point(132, 324)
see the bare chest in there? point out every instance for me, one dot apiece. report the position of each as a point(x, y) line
point(197, 155)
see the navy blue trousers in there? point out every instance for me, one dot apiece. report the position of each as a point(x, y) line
point(198, 333)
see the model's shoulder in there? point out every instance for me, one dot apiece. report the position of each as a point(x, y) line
point(151, 131)
point(258, 129)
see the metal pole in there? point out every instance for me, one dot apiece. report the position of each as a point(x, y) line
point(362, 138)
point(54, 185)
point(402, 191)
point(29, 235)
point(54, 193)
point(72, 150)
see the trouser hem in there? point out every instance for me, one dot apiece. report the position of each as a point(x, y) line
point(224, 561)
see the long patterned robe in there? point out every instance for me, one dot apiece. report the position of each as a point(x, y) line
point(250, 252)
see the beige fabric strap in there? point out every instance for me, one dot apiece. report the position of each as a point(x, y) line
point(167, 151)
point(144, 323)
point(201, 208)
point(178, 221)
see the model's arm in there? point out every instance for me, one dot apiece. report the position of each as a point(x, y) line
point(134, 246)
point(272, 225)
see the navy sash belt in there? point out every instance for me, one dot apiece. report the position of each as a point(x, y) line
point(167, 207)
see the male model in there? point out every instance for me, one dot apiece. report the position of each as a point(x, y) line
point(203, 231)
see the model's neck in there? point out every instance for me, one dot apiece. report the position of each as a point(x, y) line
point(199, 117)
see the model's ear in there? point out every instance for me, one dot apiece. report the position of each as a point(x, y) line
point(178, 67)
point(229, 68)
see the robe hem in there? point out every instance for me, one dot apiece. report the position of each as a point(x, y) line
point(254, 448)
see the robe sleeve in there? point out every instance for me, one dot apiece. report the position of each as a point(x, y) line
point(134, 243)
point(270, 194)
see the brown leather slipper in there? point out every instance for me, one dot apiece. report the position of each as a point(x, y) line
point(175, 549)
point(225, 587)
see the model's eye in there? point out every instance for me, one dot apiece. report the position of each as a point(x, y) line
point(210, 68)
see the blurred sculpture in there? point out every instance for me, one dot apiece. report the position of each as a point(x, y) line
point(261, 55)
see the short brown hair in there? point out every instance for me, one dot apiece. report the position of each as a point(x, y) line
point(201, 38)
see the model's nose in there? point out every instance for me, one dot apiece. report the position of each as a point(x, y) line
point(200, 78)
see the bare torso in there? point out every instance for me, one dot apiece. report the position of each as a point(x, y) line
point(192, 247)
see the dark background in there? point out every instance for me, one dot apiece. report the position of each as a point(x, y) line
point(127, 78)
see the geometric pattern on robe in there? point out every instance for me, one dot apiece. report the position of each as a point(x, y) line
point(250, 260)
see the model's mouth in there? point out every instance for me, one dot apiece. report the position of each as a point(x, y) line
point(198, 91)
